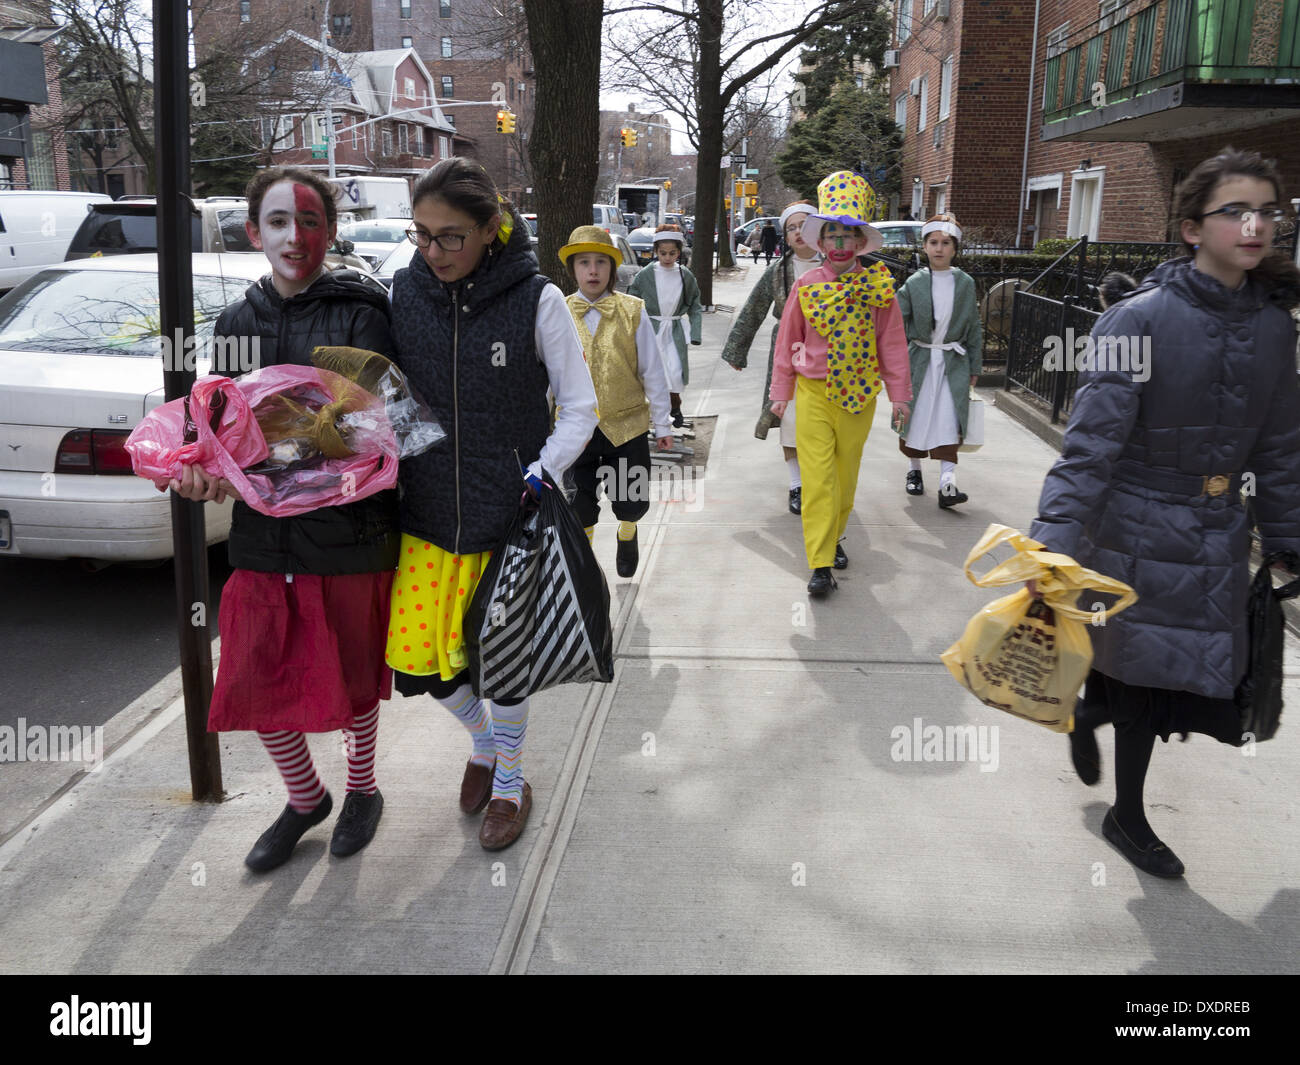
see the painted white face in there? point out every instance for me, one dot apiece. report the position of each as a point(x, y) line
point(292, 230)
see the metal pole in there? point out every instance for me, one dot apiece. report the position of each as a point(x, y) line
point(176, 319)
point(1083, 259)
point(329, 104)
point(1058, 378)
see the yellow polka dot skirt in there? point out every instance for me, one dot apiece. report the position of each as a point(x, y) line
point(431, 595)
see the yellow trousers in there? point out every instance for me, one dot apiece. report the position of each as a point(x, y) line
point(830, 442)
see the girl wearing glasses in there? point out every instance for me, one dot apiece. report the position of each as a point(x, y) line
point(1149, 486)
point(482, 336)
point(770, 294)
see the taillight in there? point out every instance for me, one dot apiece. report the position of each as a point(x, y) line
point(93, 451)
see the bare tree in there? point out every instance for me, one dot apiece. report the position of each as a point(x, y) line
point(565, 143)
point(698, 57)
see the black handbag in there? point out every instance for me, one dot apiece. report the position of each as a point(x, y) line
point(540, 614)
point(1259, 695)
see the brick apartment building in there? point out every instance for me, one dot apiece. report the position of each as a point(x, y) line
point(649, 163)
point(32, 149)
point(1088, 125)
point(467, 49)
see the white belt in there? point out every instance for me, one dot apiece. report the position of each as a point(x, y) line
point(667, 317)
point(952, 345)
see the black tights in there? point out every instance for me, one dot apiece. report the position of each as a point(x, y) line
point(1139, 715)
point(409, 684)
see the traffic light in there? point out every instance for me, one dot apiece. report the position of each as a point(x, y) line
point(753, 201)
point(668, 185)
point(740, 189)
point(628, 137)
point(505, 121)
point(726, 203)
point(751, 188)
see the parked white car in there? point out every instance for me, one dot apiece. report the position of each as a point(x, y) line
point(80, 366)
point(374, 239)
point(36, 229)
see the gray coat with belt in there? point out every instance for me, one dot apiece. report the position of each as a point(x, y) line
point(1132, 497)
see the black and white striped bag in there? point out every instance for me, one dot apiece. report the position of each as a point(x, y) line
point(540, 613)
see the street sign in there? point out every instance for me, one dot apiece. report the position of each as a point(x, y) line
point(739, 159)
point(751, 171)
point(726, 162)
point(338, 120)
point(318, 151)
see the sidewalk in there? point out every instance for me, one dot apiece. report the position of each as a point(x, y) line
point(734, 801)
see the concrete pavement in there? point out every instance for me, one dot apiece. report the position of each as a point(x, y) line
point(746, 795)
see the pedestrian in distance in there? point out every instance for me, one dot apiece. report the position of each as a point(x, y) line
point(945, 341)
point(841, 340)
point(482, 336)
point(770, 293)
point(672, 297)
point(1148, 488)
point(303, 614)
point(623, 356)
point(768, 242)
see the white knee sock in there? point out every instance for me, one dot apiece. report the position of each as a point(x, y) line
point(916, 464)
point(947, 473)
point(793, 466)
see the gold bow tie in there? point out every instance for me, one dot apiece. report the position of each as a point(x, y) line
point(606, 304)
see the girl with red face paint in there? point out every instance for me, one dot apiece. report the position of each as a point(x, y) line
point(303, 615)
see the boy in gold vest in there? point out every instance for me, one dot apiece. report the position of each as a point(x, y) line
point(623, 357)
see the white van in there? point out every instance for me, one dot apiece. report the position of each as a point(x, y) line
point(365, 196)
point(36, 229)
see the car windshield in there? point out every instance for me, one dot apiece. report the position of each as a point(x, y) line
point(130, 231)
point(375, 232)
point(102, 312)
point(532, 224)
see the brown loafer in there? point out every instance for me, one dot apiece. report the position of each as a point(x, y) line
point(504, 821)
point(476, 786)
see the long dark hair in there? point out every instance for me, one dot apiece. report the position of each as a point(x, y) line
point(1276, 272)
point(463, 185)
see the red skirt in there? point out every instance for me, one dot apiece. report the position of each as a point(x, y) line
point(305, 655)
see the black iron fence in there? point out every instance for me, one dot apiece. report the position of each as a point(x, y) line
point(1040, 355)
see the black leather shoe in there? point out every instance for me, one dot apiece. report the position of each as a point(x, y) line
point(627, 557)
point(841, 559)
point(1155, 858)
point(915, 486)
point(1084, 753)
point(357, 823)
point(274, 846)
point(822, 582)
point(950, 495)
point(678, 419)
point(796, 500)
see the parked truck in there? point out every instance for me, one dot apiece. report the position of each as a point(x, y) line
point(643, 201)
point(372, 197)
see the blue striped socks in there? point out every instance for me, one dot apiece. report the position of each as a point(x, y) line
point(473, 714)
point(509, 723)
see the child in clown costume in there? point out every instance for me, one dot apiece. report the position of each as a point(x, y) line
point(840, 335)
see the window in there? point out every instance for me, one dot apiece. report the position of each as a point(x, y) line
point(925, 102)
point(245, 10)
point(858, 82)
point(408, 87)
point(917, 192)
point(342, 25)
point(404, 9)
point(448, 86)
point(370, 138)
point(1085, 204)
point(403, 139)
point(929, 6)
point(444, 9)
point(1057, 39)
point(941, 199)
point(277, 132)
point(945, 88)
point(1109, 12)
point(388, 141)
point(446, 48)
point(408, 42)
point(900, 114)
point(356, 135)
point(445, 147)
point(904, 28)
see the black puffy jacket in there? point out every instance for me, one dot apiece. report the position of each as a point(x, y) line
point(360, 537)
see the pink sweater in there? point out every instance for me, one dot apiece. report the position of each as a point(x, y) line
point(891, 345)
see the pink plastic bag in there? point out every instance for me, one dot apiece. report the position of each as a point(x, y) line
point(278, 485)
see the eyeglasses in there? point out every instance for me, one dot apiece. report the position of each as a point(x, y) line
point(1237, 212)
point(446, 241)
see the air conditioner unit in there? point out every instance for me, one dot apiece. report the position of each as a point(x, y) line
point(891, 57)
point(914, 87)
point(944, 6)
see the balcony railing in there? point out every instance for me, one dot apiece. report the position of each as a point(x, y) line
point(1171, 41)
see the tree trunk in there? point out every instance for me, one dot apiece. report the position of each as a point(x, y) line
point(565, 145)
point(708, 95)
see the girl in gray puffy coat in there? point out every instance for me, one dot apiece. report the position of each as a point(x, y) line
point(1191, 399)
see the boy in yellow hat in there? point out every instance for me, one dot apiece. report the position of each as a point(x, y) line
point(841, 339)
point(623, 357)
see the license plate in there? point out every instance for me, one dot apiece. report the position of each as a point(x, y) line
point(6, 532)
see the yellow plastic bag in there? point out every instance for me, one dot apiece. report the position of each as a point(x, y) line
point(1024, 656)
